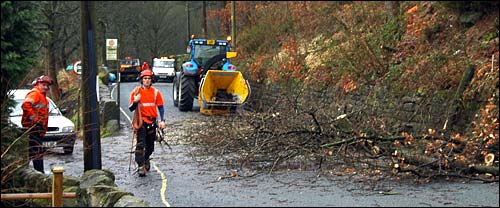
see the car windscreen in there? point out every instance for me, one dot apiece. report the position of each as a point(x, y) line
point(164, 64)
point(123, 62)
point(18, 111)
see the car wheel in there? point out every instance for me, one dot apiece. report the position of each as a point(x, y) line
point(68, 150)
point(69, 146)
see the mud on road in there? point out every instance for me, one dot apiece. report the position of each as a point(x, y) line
point(181, 177)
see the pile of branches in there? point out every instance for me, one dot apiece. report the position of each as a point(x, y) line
point(295, 134)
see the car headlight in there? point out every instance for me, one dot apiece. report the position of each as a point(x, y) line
point(68, 129)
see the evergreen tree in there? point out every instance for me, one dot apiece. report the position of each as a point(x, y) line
point(20, 43)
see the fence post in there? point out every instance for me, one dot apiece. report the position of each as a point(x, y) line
point(57, 186)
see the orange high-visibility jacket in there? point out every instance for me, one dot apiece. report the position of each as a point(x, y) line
point(150, 99)
point(35, 109)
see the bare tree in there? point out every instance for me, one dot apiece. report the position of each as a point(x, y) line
point(69, 34)
point(59, 33)
point(157, 27)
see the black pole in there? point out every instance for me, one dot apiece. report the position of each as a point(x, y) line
point(118, 55)
point(92, 155)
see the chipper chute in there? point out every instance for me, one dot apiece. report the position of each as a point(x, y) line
point(222, 91)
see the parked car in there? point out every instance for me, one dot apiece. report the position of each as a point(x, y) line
point(61, 130)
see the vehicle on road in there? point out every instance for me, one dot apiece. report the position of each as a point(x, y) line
point(61, 130)
point(164, 68)
point(209, 76)
point(129, 69)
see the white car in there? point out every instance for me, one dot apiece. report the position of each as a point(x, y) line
point(61, 130)
point(164, 69)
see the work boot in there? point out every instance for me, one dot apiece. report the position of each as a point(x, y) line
point(147, 165)
point(141, 171)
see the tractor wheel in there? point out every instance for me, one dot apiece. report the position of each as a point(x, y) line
point(187, 93)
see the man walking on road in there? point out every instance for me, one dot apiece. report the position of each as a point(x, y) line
point(36, 118)
point(145, 99)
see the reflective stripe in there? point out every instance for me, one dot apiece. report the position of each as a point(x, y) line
point(146, 104)
point(29, 100)
point(41, 105)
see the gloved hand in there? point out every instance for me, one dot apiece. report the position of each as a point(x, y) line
point(137, 95)
point(162, 125)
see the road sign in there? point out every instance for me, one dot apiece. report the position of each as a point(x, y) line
point(111, 49)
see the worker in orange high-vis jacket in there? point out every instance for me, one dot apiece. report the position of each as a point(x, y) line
point(36, 118)
point(146, 99)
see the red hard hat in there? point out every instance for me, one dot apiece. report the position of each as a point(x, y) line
point(146, 72)
point(44, 79)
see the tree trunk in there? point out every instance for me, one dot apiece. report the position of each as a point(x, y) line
point(102, 42)
point(392, 7)
point(204, 29)
point(188, 22)
point(52, 71)
point(454, 110)
point(51, 57)
point(419, 160)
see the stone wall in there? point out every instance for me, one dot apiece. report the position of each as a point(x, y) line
point(96, 188)
point(366, 109)
point(408, 112)
point(109, 110)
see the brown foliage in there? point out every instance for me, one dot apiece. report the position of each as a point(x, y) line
point(356, 48)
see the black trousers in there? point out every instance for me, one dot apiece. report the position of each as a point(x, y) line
point(35, 149)
point(146, 137)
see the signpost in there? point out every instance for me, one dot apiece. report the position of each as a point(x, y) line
point(111, 49)
point(112, 55)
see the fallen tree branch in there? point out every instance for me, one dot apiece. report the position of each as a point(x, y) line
point(417, 159)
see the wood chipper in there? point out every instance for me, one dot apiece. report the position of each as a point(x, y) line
point(222, 91)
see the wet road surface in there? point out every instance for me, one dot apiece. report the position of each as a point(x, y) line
point(177, 178)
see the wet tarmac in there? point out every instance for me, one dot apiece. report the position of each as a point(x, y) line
point(179, 179)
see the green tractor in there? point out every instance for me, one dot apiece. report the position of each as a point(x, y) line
point(209, 77)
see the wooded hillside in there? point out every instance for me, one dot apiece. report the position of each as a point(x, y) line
point(414, 84)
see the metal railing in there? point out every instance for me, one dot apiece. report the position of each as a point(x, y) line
point(57, 191)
